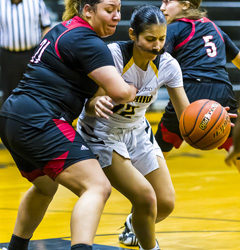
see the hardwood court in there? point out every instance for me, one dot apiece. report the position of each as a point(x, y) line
point(206, 216)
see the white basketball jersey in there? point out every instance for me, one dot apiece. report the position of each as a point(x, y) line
point(164, 70)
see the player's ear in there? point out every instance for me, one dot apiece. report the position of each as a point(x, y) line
point(131, 34)
point(87, 11)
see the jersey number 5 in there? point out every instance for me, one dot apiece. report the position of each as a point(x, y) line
point(212, 50)
point(37, 56)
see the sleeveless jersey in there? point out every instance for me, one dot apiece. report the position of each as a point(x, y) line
point(164, 70)
point(200, 47)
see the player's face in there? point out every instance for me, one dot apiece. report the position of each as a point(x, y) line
point(150, 42)
point(171, 8)
point(106, 16)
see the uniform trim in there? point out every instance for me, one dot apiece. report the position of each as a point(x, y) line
point(227, 144)
point(202, 20)
point(191, 34)
point(71, 24)
point(31, 176)
point(128, 66)
point(127, 54)
point(127, 51)
point(66, 129)
point(154, 67)
point(216, 28)
point(55, 166)
point(170, 137)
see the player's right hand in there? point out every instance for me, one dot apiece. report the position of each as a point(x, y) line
point(233, 157)
point(103, 106)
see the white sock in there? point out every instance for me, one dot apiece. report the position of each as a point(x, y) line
point(130, 216)
point(155, 248)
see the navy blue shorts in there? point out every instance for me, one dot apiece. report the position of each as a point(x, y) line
point(168, 134)
point(45, 151)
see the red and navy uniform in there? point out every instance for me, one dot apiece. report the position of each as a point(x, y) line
point(35, 121)
point(201, 48)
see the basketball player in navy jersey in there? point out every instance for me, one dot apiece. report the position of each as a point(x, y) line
point(201, 48)
point(68, 66)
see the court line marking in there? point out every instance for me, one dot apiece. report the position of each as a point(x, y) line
point(124, 214)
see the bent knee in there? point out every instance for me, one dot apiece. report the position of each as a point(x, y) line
point(102, 188)
point(165, 208)
point(106, 190)
point(146, 200)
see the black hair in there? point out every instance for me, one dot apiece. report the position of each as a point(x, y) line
point(144, 16)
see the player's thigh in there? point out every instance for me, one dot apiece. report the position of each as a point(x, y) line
point(128, 180)
point(84, 175)
point(45, 185)
point(161, 182)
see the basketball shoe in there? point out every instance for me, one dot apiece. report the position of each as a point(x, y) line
point(127, 237)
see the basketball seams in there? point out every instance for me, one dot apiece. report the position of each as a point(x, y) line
point(205, 124)
point(196, 120)
point(212, 127)
point(210, 146)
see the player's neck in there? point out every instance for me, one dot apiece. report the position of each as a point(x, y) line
point(139, 60)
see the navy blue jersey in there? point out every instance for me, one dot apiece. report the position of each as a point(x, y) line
point(200, 47)
point(56, 78)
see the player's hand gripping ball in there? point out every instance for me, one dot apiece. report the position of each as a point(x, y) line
point(205, 124)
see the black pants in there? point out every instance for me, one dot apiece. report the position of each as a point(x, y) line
point(13, 65)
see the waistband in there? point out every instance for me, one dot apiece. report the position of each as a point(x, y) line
point(200, 80)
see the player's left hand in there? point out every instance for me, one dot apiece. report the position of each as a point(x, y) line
point(231, 115)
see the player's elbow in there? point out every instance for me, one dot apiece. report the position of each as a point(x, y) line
point(124, 95)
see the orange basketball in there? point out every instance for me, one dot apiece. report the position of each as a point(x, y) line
point(205, 124)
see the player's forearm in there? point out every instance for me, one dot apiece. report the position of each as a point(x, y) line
point(90, 106)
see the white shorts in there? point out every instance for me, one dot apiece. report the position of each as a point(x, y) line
point(137, 144)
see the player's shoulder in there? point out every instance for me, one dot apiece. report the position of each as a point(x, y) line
point(115, 51)
point(80, 38)
point(82, 34)
point(178, 29)
point(178, 25)
point(168, 60)
point(122, 51)
point(170, 68)
point(123, 47)
point(114, 47)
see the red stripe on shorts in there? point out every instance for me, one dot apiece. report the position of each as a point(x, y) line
point(31, 176)
point(68, 131)
point(170, 137)
point(227, 144)
point(55, 166)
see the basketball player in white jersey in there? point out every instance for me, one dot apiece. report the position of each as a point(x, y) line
point(120, 135)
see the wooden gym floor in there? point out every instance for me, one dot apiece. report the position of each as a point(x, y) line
point(206, 216)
